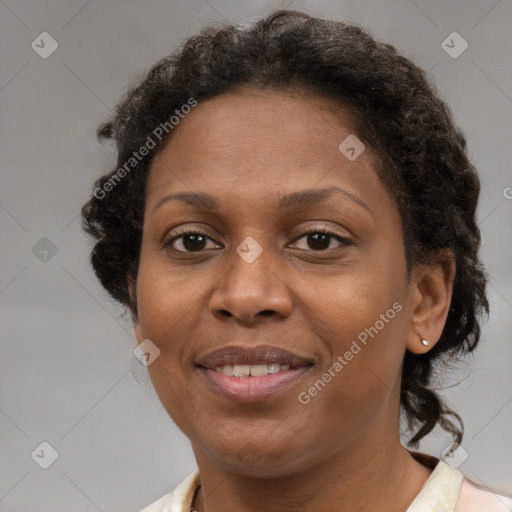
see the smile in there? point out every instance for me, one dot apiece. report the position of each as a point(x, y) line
point(247, 387)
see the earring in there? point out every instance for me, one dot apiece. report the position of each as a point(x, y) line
point(424, 342)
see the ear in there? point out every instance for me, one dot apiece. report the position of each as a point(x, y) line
point(132, 292)
point(137, 329)
point(430, 298)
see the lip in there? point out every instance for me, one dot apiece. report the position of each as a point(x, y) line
point(262, 354)
point(252, 389)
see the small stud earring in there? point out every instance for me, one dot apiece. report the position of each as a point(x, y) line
point(424, 342)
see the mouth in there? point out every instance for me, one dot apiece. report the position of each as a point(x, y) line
point(250, 374)
point(250, 388)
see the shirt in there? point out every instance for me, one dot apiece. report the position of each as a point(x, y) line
point(446, 490)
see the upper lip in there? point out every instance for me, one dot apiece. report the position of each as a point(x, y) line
point(263, 354)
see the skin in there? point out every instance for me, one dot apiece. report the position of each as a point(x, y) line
point(342, 450)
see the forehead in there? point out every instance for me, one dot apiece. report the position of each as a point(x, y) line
point(259, 144)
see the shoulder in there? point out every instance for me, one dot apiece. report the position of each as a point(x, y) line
point(179, 500)
point(475, 499)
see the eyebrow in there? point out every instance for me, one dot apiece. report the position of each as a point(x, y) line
point(293, 201)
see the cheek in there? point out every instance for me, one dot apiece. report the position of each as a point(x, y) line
point(355, 303)
point(361, 321)
point(167, 311)
point(166, 299)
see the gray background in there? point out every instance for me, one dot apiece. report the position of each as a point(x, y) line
point(67, 372)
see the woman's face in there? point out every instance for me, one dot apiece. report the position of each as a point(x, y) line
point(327, 299)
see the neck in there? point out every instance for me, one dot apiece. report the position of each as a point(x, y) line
point(379, 475)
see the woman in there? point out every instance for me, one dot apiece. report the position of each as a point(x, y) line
point(291, 222)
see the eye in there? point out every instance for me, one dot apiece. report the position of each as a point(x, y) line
point(195, 241)
point(191, 241)
point(320, 239)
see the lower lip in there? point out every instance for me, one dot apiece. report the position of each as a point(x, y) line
point(253, 389)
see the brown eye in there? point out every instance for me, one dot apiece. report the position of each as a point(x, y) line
point(190, 241)
point(320, 240)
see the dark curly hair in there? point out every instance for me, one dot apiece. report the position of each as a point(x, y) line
point(421, 159)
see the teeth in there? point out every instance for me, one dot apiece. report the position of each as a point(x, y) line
point(255, 370)
point(258, 370)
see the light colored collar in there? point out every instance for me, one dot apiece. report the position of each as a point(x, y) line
point(179, 500)
point(440, 492)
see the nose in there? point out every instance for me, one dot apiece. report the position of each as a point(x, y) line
point(250, 290)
